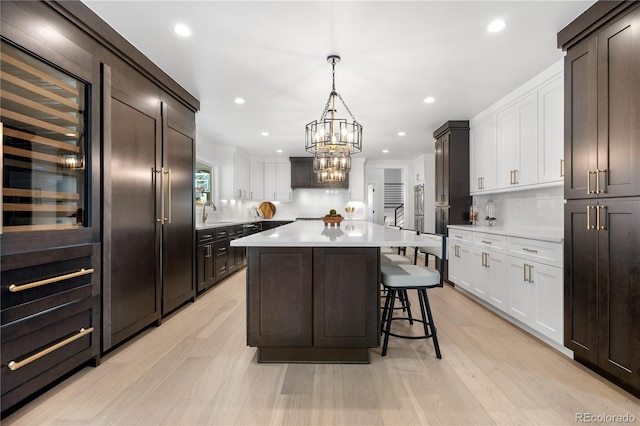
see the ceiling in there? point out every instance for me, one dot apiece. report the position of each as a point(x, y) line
point(394, 55)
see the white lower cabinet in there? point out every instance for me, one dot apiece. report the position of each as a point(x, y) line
point(460, 258)
point(536, 296)
point(460, 263)
point(489, 269)
point(520, 277)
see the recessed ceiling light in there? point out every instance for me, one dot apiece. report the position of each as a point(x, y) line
point(279, 151)
point(385, 151)
point(182, 29)
point(495, 26)
point(238, 100)
point(401, 133)
point(429, 100)
point(265, 133)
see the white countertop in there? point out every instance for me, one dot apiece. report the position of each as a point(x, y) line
point(533, 232)
point(350, 233)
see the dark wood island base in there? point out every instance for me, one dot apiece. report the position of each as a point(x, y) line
point(313, 304)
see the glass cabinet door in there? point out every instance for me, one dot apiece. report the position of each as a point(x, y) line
point(44, 124)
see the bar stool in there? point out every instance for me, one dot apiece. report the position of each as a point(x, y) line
point(399, 278)
point(398, 259)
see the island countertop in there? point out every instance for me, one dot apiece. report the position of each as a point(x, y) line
point(350, 233)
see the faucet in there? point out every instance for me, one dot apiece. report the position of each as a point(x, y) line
point(204, 210)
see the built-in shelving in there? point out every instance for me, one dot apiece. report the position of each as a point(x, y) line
point(43, 126)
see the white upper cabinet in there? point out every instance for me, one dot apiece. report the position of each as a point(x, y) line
point(551, 131)
point(256, 179)
point(356, 180)
point(277, 181)
point(241, 178)
point(518, 141)
point(483, 151)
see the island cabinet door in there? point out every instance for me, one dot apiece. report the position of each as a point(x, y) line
point(345, 297)
point(279, 296)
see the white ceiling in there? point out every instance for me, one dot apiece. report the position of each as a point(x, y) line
point(394, 55)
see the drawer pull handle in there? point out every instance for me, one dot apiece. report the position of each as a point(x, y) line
point(458, 236)
point(14, 288)
point(529, 250)
point(486, 242)
point(13, 365)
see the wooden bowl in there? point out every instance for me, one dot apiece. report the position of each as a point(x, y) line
point(332, 220)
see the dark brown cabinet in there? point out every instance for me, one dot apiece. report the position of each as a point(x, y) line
point(148, 225)
point(323, 307)
point(50, 317)
point(205, 260)
point(303, 176)
point(602, 186)
point(452, 174)
point(113, 174)
point(602, 92)
point(602, 285)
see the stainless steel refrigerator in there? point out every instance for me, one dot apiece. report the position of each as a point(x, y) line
point(418, 209)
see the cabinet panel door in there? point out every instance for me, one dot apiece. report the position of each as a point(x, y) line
point(345, 315)
point(527, 139)
point(550, 131)
point(301, 173)
point(202, 255)
point(619, 107)
point(283, 182)
point(508, 146)
point(580, 119)
point(257, 182)
point(483, 148)
point(547, 300)
point(498, 284)
point(279, 297)
point(131, 241)
point(521, 292)
point(480, 282)
point(456, 266)
point(177, 232)
point(580, 281)
point(271, 181)
point(619, 290)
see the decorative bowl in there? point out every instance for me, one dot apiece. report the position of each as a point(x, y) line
point(332, 220)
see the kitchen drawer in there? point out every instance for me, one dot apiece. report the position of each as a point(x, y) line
point(221, 269)
point(492, 242)
point(40, 280)
point(221, 233)
point(204, 236)
point(535, 250)
point(461, 236)
point(234, 231)
point(44, 347)
point(220, 249)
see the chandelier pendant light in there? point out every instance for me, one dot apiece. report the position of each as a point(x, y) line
point(332, 135)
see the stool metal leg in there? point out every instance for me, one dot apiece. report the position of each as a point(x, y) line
point(431, 324)
point(425, 318)
point(405, 302)
point(386, 312)
point(392, 296)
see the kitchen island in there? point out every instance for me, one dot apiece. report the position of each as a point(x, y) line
point(313, 290)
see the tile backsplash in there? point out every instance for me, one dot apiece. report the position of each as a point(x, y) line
point(306, 203)
point(535, 207)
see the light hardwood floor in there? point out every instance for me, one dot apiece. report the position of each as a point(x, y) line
point(196, 369)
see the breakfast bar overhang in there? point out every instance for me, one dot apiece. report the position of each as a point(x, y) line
point(313, 290)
